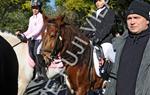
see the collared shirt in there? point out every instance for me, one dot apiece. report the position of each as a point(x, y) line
point(35, 26)
point(99, 10)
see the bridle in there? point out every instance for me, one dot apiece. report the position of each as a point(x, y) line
point(54, 52)
point(56, 48)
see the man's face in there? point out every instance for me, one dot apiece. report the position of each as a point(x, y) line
point(136, 23)
point(100, 3)
point(35, 10)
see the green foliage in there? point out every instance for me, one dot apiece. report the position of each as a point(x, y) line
point(9, 11)
point(15, 21)
point(26, 6)
point(84, 7)
point(74, 10)
point(59, 2)
point(14, 14)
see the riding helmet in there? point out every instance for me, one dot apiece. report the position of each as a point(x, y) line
point(36, 3)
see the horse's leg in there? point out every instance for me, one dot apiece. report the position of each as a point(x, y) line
point(81, 91)
point(26, 65)
point(70, 91)
point(25, 75)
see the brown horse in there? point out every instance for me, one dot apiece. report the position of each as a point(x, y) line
point(76, 52)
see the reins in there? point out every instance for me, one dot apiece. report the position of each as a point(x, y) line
point(90, 67)
point(55, 50)
point(17, 44)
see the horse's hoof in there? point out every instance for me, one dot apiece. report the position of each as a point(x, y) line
point(40, 78)
point(37, 80)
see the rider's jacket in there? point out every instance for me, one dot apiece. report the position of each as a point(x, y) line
point(35, 26)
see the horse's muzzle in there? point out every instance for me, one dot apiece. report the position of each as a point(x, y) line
point(46, 57)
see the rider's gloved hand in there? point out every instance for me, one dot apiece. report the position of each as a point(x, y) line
point(21, 36)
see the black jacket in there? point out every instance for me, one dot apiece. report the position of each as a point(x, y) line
point(102, 25)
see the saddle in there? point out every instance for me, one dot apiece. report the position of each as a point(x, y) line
point(102, 65)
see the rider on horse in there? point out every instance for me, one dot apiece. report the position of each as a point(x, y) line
point(103, 53)
point(105, 40)
point(33, 35)
point(102, 20)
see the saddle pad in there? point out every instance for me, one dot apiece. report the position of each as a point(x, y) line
point(108, 54)
point(96, 62)
point(57, 63)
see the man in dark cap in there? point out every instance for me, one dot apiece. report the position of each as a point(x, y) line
point(131, 72)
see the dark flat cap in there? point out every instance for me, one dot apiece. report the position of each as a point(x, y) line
point(139, 7)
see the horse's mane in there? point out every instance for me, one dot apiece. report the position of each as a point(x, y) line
point(11, 38)
point(70, 30)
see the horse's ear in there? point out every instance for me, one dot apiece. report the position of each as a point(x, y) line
point(60, 19)
point(51, 20)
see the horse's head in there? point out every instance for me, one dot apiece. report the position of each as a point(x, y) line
point(64, 39)
point(52, 38)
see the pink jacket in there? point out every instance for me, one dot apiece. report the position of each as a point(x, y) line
point(35, 26)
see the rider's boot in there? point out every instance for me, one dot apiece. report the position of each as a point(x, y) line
point(41, 71)
point(37, 75)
